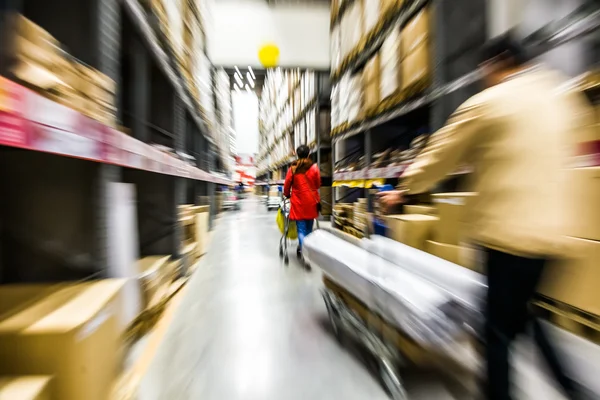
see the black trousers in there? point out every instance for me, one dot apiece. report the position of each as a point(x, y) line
point(512, 281)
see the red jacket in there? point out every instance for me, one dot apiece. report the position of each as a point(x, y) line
point(304, 190)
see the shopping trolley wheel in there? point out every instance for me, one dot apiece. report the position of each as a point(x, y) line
point(286, 260)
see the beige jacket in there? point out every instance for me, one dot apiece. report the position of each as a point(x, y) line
point(517, 136)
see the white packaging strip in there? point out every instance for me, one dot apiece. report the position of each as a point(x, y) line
point(411, 303)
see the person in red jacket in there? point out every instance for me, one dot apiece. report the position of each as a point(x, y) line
point(302, 184)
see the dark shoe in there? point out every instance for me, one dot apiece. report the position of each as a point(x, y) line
point(580, 392)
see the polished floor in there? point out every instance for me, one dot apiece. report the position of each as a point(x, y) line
point(249, 328)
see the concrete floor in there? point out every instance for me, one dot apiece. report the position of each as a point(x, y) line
point(251, 329)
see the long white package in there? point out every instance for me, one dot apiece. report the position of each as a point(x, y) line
point(465, 286)
point(420, 308)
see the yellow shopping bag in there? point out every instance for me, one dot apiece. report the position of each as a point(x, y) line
point(292, 231)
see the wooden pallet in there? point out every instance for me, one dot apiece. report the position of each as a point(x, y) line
point(569, 318)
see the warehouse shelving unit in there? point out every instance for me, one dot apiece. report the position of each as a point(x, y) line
point(273, 171)
point(58, 165)
point(459, 29)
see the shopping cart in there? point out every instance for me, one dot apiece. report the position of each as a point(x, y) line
point(288, 231)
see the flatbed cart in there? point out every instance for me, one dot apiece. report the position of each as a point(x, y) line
point(391, 349)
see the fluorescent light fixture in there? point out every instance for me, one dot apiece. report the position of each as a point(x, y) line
point(249, 77)
point(251, 72)
point(237, 69)
point(239, 80)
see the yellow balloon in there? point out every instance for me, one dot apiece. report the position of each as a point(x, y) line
point(269, 55)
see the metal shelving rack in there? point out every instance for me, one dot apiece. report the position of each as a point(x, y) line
point(117, 38)
point(460, 28)
point(322, 146)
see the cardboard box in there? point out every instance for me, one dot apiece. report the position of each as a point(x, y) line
point(25, 388)
point(451, 208)
point(201, 234)
point(390, 69)
point(413, 230)
point(574, 281)
point(70, 331)
point(371, 15)
point(371, 73)
point(583, 214)
point(416, 32)
point(459, 255)
point(153, 275)
point(389, 5)
point(416, 66)
point(424, 210)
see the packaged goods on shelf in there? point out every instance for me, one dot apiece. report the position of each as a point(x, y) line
point(355, 99)
point(203, 82)
point(461, 255)
point(336, 50)
point(574, 280)
point(336, 120)
point(415, 51)
point(416, 209)
point(351, 28)
point(451, 210)
point(175, 16)
point(371, 79)
point(583, 214)
point(413, 230)
point(311, 127)
point(154, 277)
point(391, 72)
point(416, 69)
point(359, 214)
point(25, 387)
point(70, 331)
point(371, 15)
point(416, 32)
point(388, 6)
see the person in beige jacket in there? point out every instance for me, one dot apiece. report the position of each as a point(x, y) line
point(516, 136)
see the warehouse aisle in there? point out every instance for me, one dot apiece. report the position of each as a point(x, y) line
point(250, 329)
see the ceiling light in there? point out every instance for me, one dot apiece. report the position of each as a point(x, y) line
point(251, 72)
point(237, 69)
point(239, 80)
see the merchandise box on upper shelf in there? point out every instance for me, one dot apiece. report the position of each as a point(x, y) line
point(37, 60)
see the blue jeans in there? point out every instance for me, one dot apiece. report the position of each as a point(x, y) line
point(304, 228)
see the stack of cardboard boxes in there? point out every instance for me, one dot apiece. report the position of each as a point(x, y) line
point(447, 239)
point(415, 53)
point(195, 226)
point(69, 332)
point(435, 229)
point(574, 281)
point(156, 273)
point(371, 85)
point(38, 61)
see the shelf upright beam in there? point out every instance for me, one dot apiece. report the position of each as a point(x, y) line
point(107, 41)
point(179, 183)
point(368, 155)
point(333, 189)
point(140, 89)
